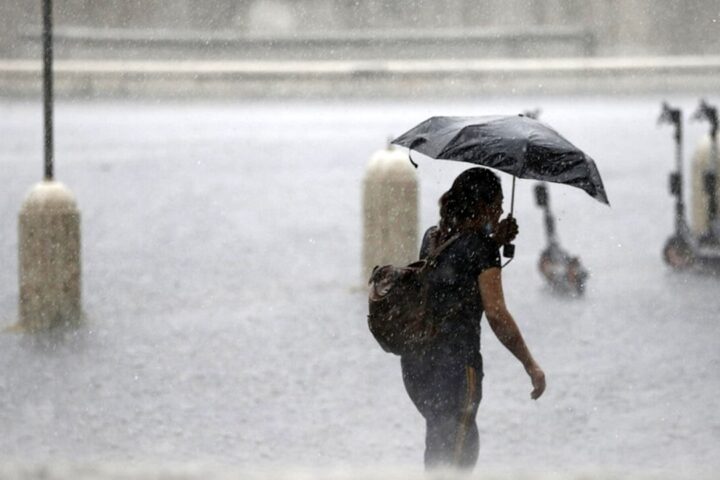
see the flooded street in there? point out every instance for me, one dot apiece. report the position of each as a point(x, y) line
point(226, 315)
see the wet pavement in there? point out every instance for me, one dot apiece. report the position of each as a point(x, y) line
point(221, 262)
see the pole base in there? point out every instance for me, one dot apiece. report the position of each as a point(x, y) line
point(49, 258)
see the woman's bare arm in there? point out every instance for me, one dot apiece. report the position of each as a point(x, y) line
point(505, 328)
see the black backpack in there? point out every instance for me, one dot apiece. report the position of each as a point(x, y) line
point(397, 305)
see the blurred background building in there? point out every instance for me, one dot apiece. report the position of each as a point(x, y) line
point(273, 48)
point(332, 29)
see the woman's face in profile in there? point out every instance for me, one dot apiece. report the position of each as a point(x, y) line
point(489, 214)
point(495, 210)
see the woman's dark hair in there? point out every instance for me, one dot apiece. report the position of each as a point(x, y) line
point(460, 204)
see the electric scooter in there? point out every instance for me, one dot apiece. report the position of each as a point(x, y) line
point(709, 177)
point(563, 272)
point(682, 251)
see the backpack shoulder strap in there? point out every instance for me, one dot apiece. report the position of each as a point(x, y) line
point(432, 256)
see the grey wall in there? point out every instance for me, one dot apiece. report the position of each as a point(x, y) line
point(661, 27)
point(618, 26)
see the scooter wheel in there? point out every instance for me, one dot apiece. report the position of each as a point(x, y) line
point(677, 254)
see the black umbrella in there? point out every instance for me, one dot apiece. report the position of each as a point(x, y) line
point(517, 144)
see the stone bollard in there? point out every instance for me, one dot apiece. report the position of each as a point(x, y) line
point(698, 198)
point(390, 211)
point(49, 263)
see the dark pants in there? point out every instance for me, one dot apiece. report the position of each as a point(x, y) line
point(447, 393)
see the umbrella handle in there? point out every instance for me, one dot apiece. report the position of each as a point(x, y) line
point(512, 197)
point(509, 248)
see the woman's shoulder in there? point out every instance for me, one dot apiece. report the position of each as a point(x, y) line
point(430, 231)
point(473, 238)
point(482, 251)
point(428, 241)
point(479, 250)
point(470, 242)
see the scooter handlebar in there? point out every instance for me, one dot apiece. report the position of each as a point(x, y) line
point(707, 112)
point(669, 114)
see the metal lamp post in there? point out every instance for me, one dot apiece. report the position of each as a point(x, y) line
point(49, 230)
point(47, 40)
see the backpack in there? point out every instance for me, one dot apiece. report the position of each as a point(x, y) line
point(398, 316)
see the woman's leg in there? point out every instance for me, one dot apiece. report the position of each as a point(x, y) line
point(447, 396)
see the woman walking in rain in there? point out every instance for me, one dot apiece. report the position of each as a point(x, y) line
point(445, 381)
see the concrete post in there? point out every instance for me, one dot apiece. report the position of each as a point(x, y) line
point(698, 198)
point(390, 211)
point(49, 258)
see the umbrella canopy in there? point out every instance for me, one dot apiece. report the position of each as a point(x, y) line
point(518, 145)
